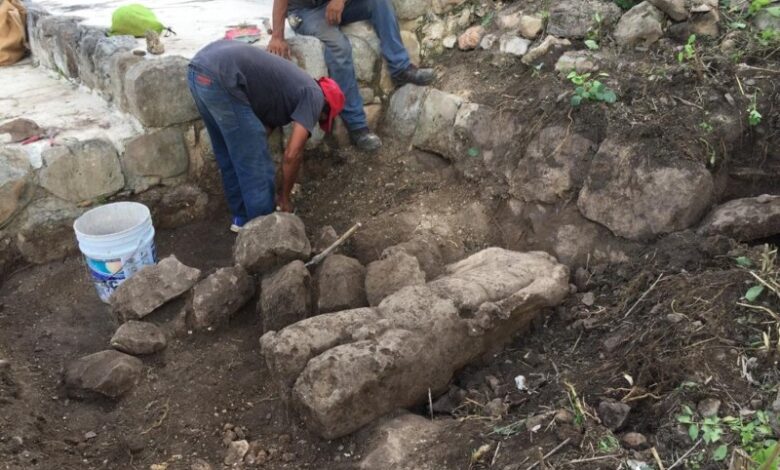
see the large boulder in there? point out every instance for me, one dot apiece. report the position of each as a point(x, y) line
point(642, 24)
point(151, 287)
point(82, 171)
point(411, 9)
point(341, 284)
point(638, 190)
point(555, 163)
point(109, 373)
point(45, 231)
point(308, 53)
point(139, 338)
point(177, 206)
point(404, 110)
point(674, 8)
point(285, 296)
point(15, 174)
point(155, 156)
point(343, 370)
point(157, 92)
point(574, 18)
point(268, 242)
point(744, 219)
point(390, 274)
point(434, 131)
point(216, 298)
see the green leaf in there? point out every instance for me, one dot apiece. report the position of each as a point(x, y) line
point(720, 453)
point(610, 96)
point(473, 152)
point(576, 100)
point(753, 293)
point(738, 25)
point(691, 39)
point(743, 261)
point(774, 11)
point(687, 409)
point(693, 431)
point(684, 419)
point(591, 44)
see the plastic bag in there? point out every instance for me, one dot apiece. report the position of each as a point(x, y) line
point(134, 20)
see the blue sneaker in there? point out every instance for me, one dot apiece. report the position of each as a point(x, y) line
point(237, 223)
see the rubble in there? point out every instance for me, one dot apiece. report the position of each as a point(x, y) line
point(285, 296)
point(216, 298)
point(151, 287)
point(138, 338)
point(341, 284)
point(109, 373)
point(271, 241)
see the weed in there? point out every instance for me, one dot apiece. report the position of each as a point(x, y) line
point(705, 126)
point(608, 444)
point(688, 51)
point(754, 117)
point(588, 89)
point(576, 404)
point(758, 5)
point(594, 32)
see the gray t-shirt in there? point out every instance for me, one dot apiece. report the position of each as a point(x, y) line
point(293, 5)
point(278, 91)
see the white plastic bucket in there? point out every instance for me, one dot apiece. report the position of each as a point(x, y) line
point(116, 240)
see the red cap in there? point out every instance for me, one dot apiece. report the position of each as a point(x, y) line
point(335, 98)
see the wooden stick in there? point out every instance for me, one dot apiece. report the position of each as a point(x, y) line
point(335, 245)
point(592, 459)
point(644, 294)
point(549, 454)
point(680, 460)
point(657, 458)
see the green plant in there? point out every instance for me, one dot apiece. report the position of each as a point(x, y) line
point(591, 44)
point(588, 89)
point(608, 444)
point(758, 5)
point(705, 126)
point(688, 51)
point(594, 32)
point(754, 117)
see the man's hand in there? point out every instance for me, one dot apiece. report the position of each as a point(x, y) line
point(333, 12)
point(279, 47)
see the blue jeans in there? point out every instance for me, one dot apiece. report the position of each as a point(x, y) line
point(338, 51)
point(240, 146)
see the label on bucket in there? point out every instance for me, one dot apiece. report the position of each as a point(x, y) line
point(108, 274)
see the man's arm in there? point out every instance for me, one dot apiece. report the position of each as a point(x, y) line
point(293, 156)
point(278, 45)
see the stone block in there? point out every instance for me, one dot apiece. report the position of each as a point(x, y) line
point(285, 296)
point(139, 338)
point(434, 130)
point(45, 231)
point(152, 157)
point(157, 92)
point(364, 58)
point(308, 53)
point(390, 274)
point(411, 9)
point(15, 175)
point(341, 284)
point(109, 373)
point(219, 296)
point(745, 219)
point(271, 241)
point(82, 170)
point(642, 24)
point(574, 18)
point(404, 111)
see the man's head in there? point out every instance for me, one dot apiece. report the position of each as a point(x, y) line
point(334, 102)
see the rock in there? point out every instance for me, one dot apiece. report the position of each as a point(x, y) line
point(412, 45)
point(426, 251)
point(19, 129)
point(708, 407)
point(642, 24)
point(111, 59)
point(181, 205)
point(470, 38)
point(411, 9)
point(82, 171)
point(574, 18)
point(578, 61)
point(588, 299)
point(530, 26)
point(404, 110)
point(634, 173)
point(200, 464)
point(391, 274)
point(634, 441)
point(406, 442)
point(45, 230)
point(157, 92)
point(328, 237)
point(151, 287)
point(236, 452)
point(268, 242)
point(364, 58)
point(555, 163)
point(511, 44)
point(509, 18)
point(613, 414)
point(744, 219)
point(705, 18)
point(434, 132)
point(487, 41)
point(541, 50)
point(138, 338)
point(118, 65)
point(285, 296)
point(15, 175)
point(341, 284)
point(216, 298)
point(450, 41)
point(154, 156)
point(496, 408)
point(564, 416)
point(345, 369)
point(538, 422)
point(109, 373)
point(764, 19)
point(674, 8)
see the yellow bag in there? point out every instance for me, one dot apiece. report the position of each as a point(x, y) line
point(13, 42)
